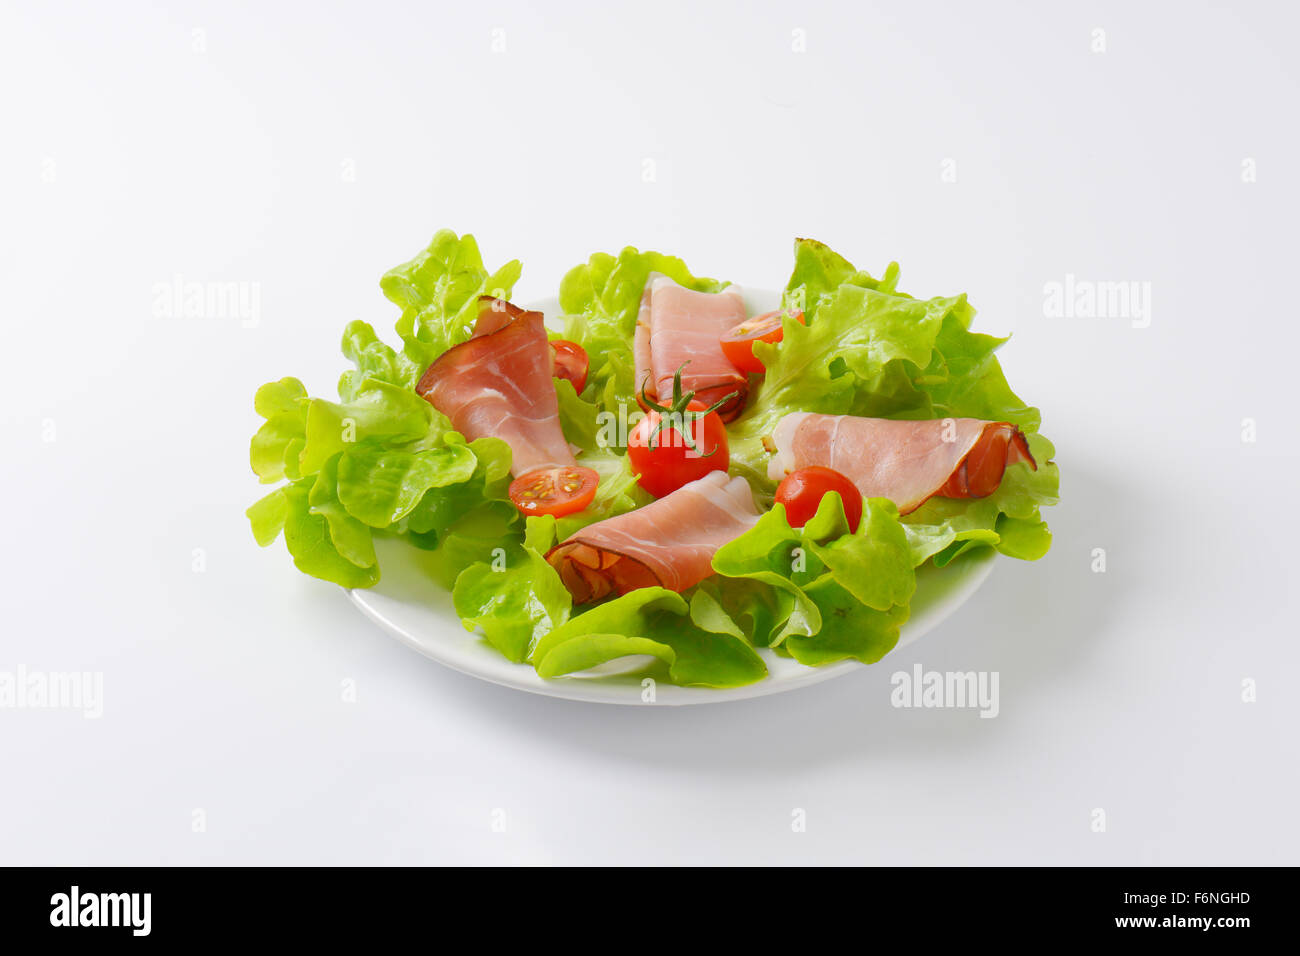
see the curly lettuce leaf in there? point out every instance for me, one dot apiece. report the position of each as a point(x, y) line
point(850, 628)
point(697, 641)
point(781, 565)
point(380, 410)
point(760, 609)
point(267, 516)
point(438, 293)
point(443, 505)
point(774, 556)
point(375, 488)
point(872, 563)
point(374, 360)
point(381, 485)
point(481, 534)
point(350, 537)
point(818, 269)
point(314, 551)
point(516, 599)
point(579, 419)
point(276, 446)
point(965, 380)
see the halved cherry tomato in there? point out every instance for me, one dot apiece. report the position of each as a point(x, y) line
point(554, 491)
point(738, 343)
point(677, 443)
point(570, 363)
point(801, 492)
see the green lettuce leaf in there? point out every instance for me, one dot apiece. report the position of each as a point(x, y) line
point(380, 484)
point(314, 552)
point(438, 293)
point(579, 419)
point(442, 506)
point(277, 444)
point(697, 641)
point(516, 599)
point(819, 270)
point(267, 516)
point(761, 610)
point(775, 556)
point(873, 565)
point(480, 535)
point(374, 360)
point(380, 410)
point(850, 629)
point(351, 538)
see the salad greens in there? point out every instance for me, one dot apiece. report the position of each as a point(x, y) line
point(382, 461)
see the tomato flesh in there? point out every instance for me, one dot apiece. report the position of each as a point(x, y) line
point(802, 491)
point(738, 343)
point(671, 463)
point(570, 363)
point(554, 491)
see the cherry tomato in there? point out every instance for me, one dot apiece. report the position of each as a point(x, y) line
point(554, 491)
point(738, 343)
point(570, 363)
point(659, 452)
point(801, 492)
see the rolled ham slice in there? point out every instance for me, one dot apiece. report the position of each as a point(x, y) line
point(907, 462)
point(669, 543)
point(676, 326)
point(499, 384)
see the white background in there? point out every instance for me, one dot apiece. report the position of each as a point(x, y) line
point(306, 148)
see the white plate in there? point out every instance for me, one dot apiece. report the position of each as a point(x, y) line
point(417, 611)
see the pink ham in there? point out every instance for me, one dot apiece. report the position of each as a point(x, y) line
point(677, 326)
point(907, 462)
point(669, 543)
point(641, 345)
point(499, 383)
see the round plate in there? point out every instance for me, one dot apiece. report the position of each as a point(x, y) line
point(409, 604)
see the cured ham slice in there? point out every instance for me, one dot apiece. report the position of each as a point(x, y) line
point(676, 326)
point(907, 462)
point(669, 543)
point(498, 383)
point(641, 345)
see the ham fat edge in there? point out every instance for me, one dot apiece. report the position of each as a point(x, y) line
point(498, 383)
point(908, 462)
point(669, 542)
point(679, 327)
